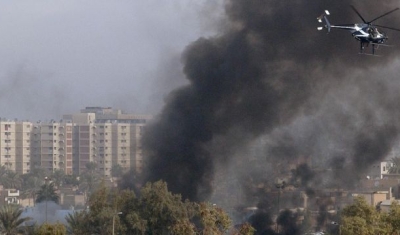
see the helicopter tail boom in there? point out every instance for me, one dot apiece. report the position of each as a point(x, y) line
point(325, 18)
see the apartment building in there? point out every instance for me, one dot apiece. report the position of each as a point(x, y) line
point(15, 145)
point(102, 135)
point(52, 146)
point(107, 137)
point(23, 147)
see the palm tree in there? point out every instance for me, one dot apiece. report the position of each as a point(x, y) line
point(12, 180)
point(47, 193)
point(77, 223)
point(10, 220)
point(58, 177)
point(30, 187)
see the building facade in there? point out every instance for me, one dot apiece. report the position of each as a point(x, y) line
point(104, 136)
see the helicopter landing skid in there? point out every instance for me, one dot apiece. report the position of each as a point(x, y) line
point(370, 54)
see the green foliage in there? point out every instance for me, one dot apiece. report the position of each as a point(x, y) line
point(355, 225)
point(12, 180)
point(58, 177)
point(10, 220)
point(245, 229)
point(117, 170)
point(156, 211)
point(51, 229)
point(182, 227)
point(362, 219)
point(76, 222)
point(360, 208)
point(47, 192)
point(160, 208)
point(90, 180)
point(213, 219)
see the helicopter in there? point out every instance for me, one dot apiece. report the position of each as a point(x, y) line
point(366, 32)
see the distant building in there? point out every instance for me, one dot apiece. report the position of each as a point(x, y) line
point(107, 137)
point(378, 170)
point(376, 197)
point(15, 145)
point(102, 135)
point(52, 146)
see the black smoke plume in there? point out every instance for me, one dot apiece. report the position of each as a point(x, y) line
point(267, 69)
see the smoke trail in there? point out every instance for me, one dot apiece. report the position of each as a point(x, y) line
point(266, 69)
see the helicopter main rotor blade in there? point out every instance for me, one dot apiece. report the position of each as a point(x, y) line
point(358, 13)
point(387, 13)
point(387, 27)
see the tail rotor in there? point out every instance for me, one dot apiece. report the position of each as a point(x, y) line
point(322, 18)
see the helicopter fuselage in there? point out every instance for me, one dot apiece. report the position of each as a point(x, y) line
point(368, 34)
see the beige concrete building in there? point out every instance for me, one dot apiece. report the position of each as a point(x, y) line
point(23, 147)
point(15, 151)
point(102, 135)
point(107, 137)
point(52, 146)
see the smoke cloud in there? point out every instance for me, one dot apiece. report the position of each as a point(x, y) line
point(269, 73)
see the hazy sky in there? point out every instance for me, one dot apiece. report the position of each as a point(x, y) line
point(58, 56)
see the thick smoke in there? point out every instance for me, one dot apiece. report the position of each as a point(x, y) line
point(271, 73)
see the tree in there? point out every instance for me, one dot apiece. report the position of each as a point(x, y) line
point(47, 193)
point(213, 219)
point(71, 180)
point(51, 229)
point(76, 222)
point(160, 208)
point(117, 170)
point(10, 220)
point(90, 179)
point(183, 227)
point(58, 177)
point(12, 180)
point(156, 211)
point(30, 186)
point(360, 218)
point(245, 229)
point(393, 218)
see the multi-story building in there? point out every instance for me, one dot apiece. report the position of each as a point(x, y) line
point(52, 146)
point(109, 138)
point(15, 145)
point(23, 147)
point(104, 136)
point(8, 144)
